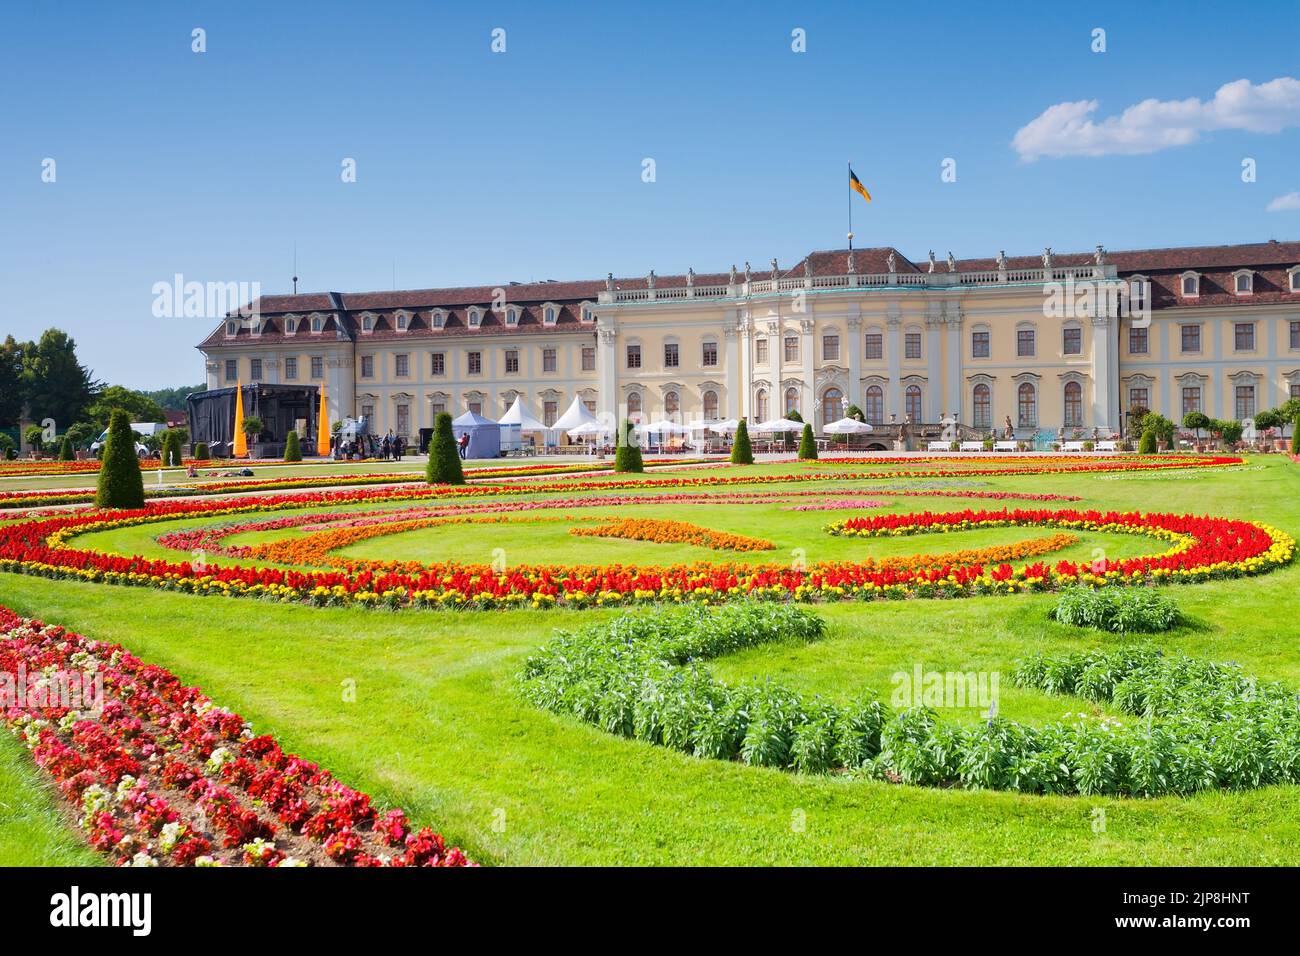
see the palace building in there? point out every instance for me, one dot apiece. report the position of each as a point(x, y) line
point(1072, 341)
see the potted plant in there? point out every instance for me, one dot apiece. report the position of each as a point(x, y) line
point(252, 429)
point(1089, 445)
point(988, 443)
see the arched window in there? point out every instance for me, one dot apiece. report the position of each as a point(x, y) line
point(634, 403)
point(832, 405)
point(791, 399)
point(912, 402)
point(760, 405)
point(982, 397)
point(512, 316)
point(671, 404)
point(710, 406)
point(875, 405)
point(1073, 405)
point(290, 325)
point(1027, 405)
point(549, 315)
point(316, 323)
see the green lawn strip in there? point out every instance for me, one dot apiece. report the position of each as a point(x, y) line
point(34, 829)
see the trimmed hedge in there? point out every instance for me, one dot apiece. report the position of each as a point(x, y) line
point(1147, 445)
point(627, 456)
point(292, 447)
point(201, 452)
point(742, 450)
point(1295, 436)
point(120, 483)
point(65, 449)
point(808, 445)
point(444, 457)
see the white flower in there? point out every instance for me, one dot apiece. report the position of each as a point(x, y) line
point(143, 859)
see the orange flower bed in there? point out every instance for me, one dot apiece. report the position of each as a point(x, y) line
point(662, 531)
point(997, 554)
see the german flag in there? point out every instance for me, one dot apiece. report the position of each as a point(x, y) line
point(856, 185)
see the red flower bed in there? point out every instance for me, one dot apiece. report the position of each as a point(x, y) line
point(161, 776)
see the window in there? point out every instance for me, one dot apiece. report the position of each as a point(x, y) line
point(634, 403)
point(589, 404)
point(474, 363)
point(476, 407)
point(290, 369)
point(672, 403)
point(875, 405)
point(1243, 283)
point(979, 345)
point(1244, 336)
point(1190, 283)
point(1072, 341)
point(368, 412)
point(588, 358)
point(760, 405)
point(403, 420)
point(367, 323)
point(401, 327)
point(512, 361)
point(232, 327)
point(1295, 389)
point(402, 365)
point(1027, 405)
point(634, 356)
point(232, 370)
point(1295, 279)
point(710, 406)
point(1245, 402)
point(475, 318)
point(1073, 405)
point(1137, 340)
point(1139, 398)
point(548, 360)
point(367, 366)
point(830, 348)
point(1137, 294)
point(439, 319)
point(832, 405)
point(709, 356)
point(982, 398)
point(1025, 343)
point(875, 346)
point(512, 316)
point(791, 400)
point(317, 323)
point(550, 412)
point(439, 407)
point(670, 355)
point(912, 345)
point(912, 402)
point(791, 348)
point(290, 324)
point(317, 367)
point(438, 364)
point(587, 314)
point(1191, 338)
point(760, 351)
point(1295, 335)
point(548, 316)
point(255, 370)
point(1191, 399)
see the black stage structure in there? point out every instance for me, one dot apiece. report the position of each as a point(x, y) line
point(212, 417)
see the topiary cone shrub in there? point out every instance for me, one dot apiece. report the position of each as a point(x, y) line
point(742, 451)
point(444, 458)
point(808, 445)
point(1147, 446)
point(628, 456)
point(1295, 436)
point(65, 450)
point(120, 483)
point(201, 452)
point(292, 448)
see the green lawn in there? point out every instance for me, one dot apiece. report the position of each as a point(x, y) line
point(439, 728)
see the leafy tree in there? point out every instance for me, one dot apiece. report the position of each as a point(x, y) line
point(742, 451)
point(1295, 435)
point(808, 444)
point(120, 483)
point(252, 427)
point(11, 389)
point(1162, 427)
point(1269, 418)
point(82, 434)
point(7, 450)
point(1196, 421)
point(138, 406)
point(1229, 432)
point(34, 435)
point(172, 399)
point(444, 458)
point(65, 449)
point(292, 448)
point(627, 458)
point(54, 383)
point(855, 413)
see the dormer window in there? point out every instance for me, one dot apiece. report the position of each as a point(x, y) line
point(1293, 278)
point(475, 318)
point(232, 327)
point(439, 318)
point(367, 323)
point(317, 323)
point(1189, 284)
point(512, 316)
point(1243, 282)
point(290, 325)
point(587, 314)
point(549, 313)
point(402, 321)
point(1138, 287)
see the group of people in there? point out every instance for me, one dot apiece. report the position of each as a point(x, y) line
point(389, 448)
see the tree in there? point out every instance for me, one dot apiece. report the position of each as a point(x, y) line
point(444, 458)
point(627, 458)
point(120, 483)
point(6, 447)
point(742, 451)
point(292, 448)
point(1156, 423)
point(1229, 432)
point(1295, 435)
point(82, 434)
point(138, 406)
point(65, 449)
point(1269, 419)
point(34, 435)
point(54, 383)
point(854, 413)
point(808, 445)
point(1147, 446)
point(11, 390)
point(172, 399)
point(172, 447)
point(201, 452)
point(1196, 421)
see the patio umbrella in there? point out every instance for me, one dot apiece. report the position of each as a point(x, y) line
point(727, 427)
point(666, 427)
point(777, 426)
point(847, 426)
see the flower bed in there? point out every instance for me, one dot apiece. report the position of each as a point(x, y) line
point(158, 775)
point(661, 531)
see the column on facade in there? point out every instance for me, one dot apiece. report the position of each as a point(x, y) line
point(731, 340)
point(854, 324)
point(1104, 376)
point(745, 399)
point(933, 360)
point(807, 344)
point(775, 356)
point(953, 319)
point(607, 372)
point(894, 322)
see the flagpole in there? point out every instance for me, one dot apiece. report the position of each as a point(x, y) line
point(850, 165)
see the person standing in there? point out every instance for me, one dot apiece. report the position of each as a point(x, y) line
point(464, 445)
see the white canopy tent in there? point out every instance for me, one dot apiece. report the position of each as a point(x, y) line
point(847, 426)
point(518, 415)
point(589, 430)
point(574, 416)
point(666, 427)
point(777, 426)
point(727, 427)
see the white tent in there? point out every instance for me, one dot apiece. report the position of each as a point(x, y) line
point(727, 427)
point(575, 415)
point(777, 426)
point(518, 415)
point(589, 430)
point(665, 427)
point(847, 426)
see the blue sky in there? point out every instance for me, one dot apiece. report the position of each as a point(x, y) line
point(475, 167)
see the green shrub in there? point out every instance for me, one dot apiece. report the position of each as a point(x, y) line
point(120, 483)
point(1119, 610)
point(1295, 436)
point(292, 447)
point(742, 451)
point(808, 445)
point(627, 457)
point(7, 450)
point(444, 458)
point(65, 449)
point(1147, 446)
point(201, 452)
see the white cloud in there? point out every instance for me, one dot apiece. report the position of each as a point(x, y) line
point(1288, 203)
point(1069, 129)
